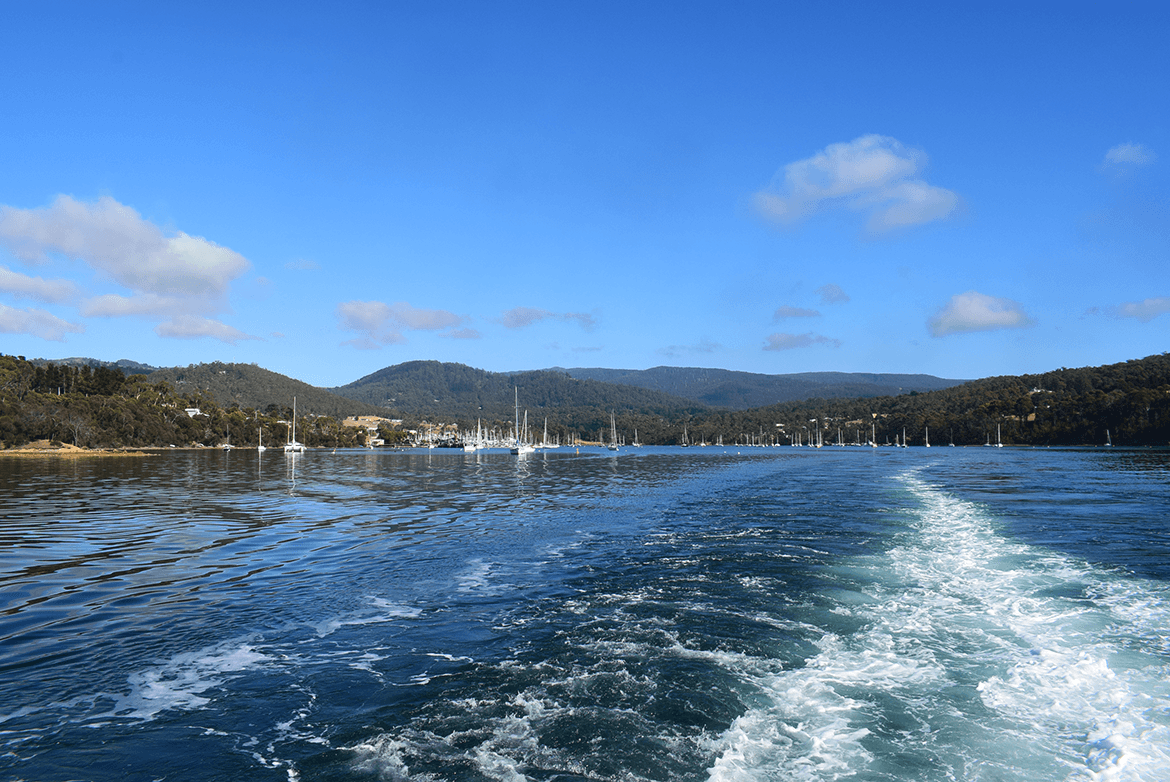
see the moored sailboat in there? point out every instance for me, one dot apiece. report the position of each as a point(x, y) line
point(292, 446)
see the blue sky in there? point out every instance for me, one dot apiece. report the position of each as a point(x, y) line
point(769, 187)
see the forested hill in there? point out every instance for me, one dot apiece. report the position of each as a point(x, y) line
point(252, 387)
point(1127, 402)
point(433, 388)
point(745, 390)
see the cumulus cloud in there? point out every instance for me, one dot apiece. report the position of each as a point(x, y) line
point(1126, 155)
point(114, 239)
point(166, 275)
point(47, 291)
point(522, 317)
point(36, 323)
point(793, 341)
point(974, 311)
point(195, 327)
point(872, 174)
point(794, 312)
point(832, 294)
point(379, 324)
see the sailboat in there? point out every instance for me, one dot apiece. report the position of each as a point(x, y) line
point(928, 437)
point(1108, 440)
point(474, 446)
point(544, 443)
point(613, 444)
point(998, 439)
point(521, 447)
point(292, 446)
point(260, 440)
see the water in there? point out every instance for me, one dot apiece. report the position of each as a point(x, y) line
point(665, 614)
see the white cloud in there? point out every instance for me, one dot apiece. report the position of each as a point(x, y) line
point(793, 341)
point(832, 294)
point(872, 174)
point(174, 276)
point(378, 323)
point(194, 327)
point(522, 317)
point(47, 291)
point(973, 311)
point(114, 239)
point(36, 323)
point(1130, 155)
point(113, 305)
point(794, 312)
point(1145, 310)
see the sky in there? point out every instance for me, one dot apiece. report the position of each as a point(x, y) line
point(327, 189)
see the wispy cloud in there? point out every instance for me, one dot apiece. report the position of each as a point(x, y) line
point(875, 175)
point(794, 341)
point(47, 291)
point(302, 265)
point(703, 347)
point(195, 327)
point(974, 311)
point(380, 324)
point(172, 276)
point(786, 311)
point(1129, 155)
point(832, 294)
point(37, 323)
point(522, 317)
point(1144, 310)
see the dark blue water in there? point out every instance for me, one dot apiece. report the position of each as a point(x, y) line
point(662, 614)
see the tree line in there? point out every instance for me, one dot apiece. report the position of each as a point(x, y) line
point(1127, 403)
point(101, 407)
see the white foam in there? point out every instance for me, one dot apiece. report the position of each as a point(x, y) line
point(380, 611)
point(953, 600)
point(182, 681)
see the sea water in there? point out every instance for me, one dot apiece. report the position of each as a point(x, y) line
point(654, 614)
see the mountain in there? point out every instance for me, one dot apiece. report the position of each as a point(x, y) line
point(251, 387)
point(746, 390)
point(433, 388)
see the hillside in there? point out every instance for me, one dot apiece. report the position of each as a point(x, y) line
point(746, 390)
point(433, 388)
point(251, 387)
point(1129, 400)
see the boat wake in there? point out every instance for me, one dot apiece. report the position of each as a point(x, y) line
point(972, 657)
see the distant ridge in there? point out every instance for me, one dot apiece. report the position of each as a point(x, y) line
point(419, 388)
point(747, 390)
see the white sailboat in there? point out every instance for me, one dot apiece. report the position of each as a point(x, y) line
point(521, 447)
point(613, 444)
point(1108, 440)
point(292, 446)
point(260, 440)
point(928, 437)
